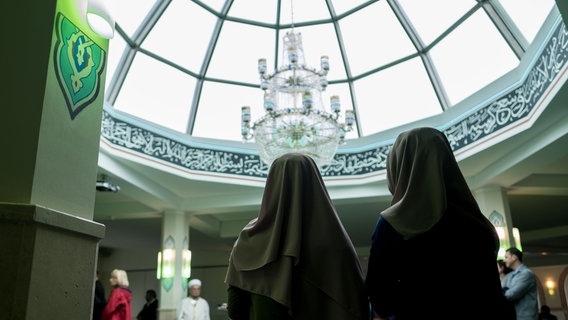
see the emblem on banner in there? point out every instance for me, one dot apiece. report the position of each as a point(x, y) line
point(79, 63)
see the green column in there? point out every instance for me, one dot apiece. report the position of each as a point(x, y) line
point(50, 135)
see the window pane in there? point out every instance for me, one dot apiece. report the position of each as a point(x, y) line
point(341, 6)
point(528, 15)
point(216, 5)
point(129, 14)
point(219, 113)
point(262, 11)
point(368, 49)
point(146, 94)
point(179, 39)
point(447, 13)
point(303, 11)
point(471, 57)
point(237, 52)
point(395, 96)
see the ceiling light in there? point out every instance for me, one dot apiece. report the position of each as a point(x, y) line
point(106, 186)
point(296, 119)
point(100, 19)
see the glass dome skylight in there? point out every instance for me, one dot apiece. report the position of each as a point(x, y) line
point(190, 65)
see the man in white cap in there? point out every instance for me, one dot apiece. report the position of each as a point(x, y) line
point(193, 307)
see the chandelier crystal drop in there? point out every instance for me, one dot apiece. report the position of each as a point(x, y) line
point(296, 119)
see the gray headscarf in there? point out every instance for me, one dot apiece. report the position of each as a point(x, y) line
point(297, 239)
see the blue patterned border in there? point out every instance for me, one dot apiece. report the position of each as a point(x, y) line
point(503, 112)
point(150, 144)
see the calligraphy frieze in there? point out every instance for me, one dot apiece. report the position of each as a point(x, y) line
point(497, 115)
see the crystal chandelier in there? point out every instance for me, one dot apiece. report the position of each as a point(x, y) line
point(295, 119)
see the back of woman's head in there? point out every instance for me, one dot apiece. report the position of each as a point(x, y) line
point(424, 179)
point(291, 178)
point(121, 277)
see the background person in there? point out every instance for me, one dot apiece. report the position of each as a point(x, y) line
point(432, 211)
point(503, 270)
point(545, 313)
point(99, 299)
point(295, 260)
point(193, 307)
point(150, 309)
point(118, 306)
point(520, 286)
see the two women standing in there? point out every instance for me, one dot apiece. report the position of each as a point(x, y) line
point(432, 252)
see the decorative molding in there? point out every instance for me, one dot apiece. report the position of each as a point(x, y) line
point(150, 144)
point(503, 112)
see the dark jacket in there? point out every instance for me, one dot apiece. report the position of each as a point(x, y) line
point(149, 311)
point(245, 305)
point(432, 275)
point(100, 300)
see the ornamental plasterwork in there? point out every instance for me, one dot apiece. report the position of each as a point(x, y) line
point(498, 114)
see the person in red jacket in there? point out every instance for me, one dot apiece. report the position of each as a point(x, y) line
point(118, 306)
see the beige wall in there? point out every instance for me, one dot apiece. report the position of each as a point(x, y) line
point(556, 299)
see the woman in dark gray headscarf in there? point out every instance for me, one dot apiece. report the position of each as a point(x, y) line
point(295, 261)
point(433, 252)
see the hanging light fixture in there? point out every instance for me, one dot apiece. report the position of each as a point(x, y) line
point(296, 119)
point(100, 19)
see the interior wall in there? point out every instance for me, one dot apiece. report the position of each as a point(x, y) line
point(555, 299)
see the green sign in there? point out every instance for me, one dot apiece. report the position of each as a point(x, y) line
point(79, 63)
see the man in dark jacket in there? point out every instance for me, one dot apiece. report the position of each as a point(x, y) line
point(150, 309)
point(100, 300)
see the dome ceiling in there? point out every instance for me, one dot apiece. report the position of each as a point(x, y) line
point(189, 66)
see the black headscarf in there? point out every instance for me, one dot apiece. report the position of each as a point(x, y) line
point(423, 173)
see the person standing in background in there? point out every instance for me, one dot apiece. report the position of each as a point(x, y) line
point(118, 306)
point(503, 270)
point(150, 309)
point(193, 307)
point(432, 212)
point(545, 313)
point(100, 300)
point(520, 286)
point(295, 260)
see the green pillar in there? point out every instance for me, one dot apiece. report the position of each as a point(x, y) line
point(494, 204)
point(52, 95)
point(175, 235)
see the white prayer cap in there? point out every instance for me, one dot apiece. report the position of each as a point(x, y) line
point(194, 282)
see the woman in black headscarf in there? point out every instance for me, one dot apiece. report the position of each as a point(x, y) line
point(433, 252)
point(295, 261)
